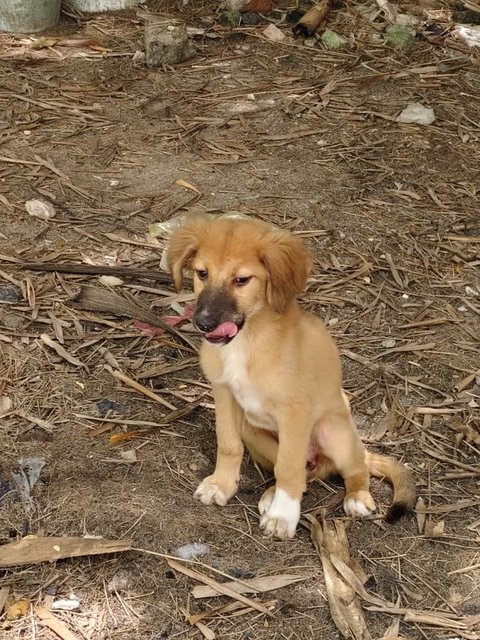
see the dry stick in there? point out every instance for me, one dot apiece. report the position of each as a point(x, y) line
point(4, 592)
point(218, 586)
point(438, 456)
point(223, 608)
point(53, 623)
point(103, 300)
point(94, 270)
point(173, 416)
point(136, 423)
point(472, 567)
point(51, 548)
point(198, 563)
point(119, 375)
point(252, 585)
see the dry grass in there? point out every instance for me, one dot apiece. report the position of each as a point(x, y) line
point(301, 137)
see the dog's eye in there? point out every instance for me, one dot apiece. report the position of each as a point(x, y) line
point(242, 281)
point(202, 274)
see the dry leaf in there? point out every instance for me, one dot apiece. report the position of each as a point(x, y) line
point(181, 183)
point(218, 586)
point(392, 632)
point(5, 405)
point(420, 514)
point(252, 585)
point(434, 529)
point(434, 619)
point(273, 33)
point(331, 543)
point(18, 609)
point(61, 351)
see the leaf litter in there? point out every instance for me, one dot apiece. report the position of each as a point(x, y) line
point(390, 210)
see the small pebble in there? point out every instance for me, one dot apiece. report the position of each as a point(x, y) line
point(399, 36)
point(229, 19)
point(106, 406)
point(166, 45)
point(9, 293)
point(13, 321)
point(110, 281)
point(389, 344)
point(40, 209)
point(416, 113)
point(193, 550)
point(129, 455)
point(66, 604)
point(6, 404)
point(238, 572)
point(333, 40)
point(122, 580)
point(250, 18)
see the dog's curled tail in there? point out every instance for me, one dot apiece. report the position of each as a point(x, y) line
point(401, 479)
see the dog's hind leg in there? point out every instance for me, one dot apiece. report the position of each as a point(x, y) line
point(262, 445)
point(340, 443)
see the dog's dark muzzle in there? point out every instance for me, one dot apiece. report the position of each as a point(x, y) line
point(217, 316)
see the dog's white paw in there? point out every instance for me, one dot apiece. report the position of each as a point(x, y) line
point(282, 515)
point(359, 504)
point(211, 491)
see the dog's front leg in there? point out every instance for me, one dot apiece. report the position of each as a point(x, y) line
point(280, 506)
point(223, 483)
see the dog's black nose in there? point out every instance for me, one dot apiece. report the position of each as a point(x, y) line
point(206, 324)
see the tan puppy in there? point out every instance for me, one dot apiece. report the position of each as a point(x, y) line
point(275, 373)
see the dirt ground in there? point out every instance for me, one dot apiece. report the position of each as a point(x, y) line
point(302, 137)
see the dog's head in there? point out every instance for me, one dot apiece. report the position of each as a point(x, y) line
point(239, 267)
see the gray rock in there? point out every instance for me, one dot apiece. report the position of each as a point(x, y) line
point(9, 293)
point(13, 321)
point(250, 18)
point(167, 45)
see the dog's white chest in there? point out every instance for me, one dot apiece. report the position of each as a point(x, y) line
point(235, 375)
point(245, 391)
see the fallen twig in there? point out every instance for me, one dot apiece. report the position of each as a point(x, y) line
point(218, 586)
point(32, 550)
point(96, 299)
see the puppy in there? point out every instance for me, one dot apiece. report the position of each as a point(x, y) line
point(275, 373)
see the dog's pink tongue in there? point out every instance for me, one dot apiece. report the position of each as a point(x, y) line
point(224, 330)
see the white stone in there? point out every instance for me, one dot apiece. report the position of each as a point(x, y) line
point(416, 113)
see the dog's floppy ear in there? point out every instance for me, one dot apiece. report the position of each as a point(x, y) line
point(288, 263)
point(183, 246)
